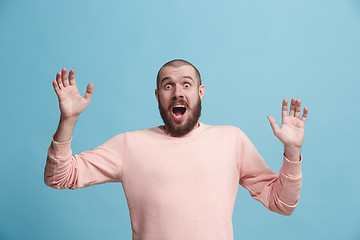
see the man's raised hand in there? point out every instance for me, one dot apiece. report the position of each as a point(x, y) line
point(71, 103)
point(291, 132)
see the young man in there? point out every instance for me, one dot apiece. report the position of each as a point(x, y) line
point(180, 179)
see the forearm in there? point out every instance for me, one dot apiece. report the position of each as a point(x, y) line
point(65, 129)
point(59, 168)
point(285, 192)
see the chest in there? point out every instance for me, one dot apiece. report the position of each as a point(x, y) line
point(181, 164)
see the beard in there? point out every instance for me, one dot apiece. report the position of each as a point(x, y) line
point(175, 127)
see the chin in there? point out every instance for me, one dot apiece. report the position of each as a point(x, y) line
point(178, 128)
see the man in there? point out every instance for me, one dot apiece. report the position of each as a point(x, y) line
point(180, 179)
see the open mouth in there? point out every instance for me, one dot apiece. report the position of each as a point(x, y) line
point(178, 111)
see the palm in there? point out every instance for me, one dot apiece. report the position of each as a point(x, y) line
point(291, 132)
point(70, 101)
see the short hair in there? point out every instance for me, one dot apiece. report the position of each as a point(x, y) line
point(177, 63)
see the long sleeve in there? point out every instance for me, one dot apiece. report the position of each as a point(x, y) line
point(99, 165)
point(278, 192)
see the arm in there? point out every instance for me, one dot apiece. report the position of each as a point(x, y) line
point(278, 192)
point(64, 170)
point(99, 165)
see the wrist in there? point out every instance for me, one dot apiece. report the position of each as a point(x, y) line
point(292, 153)
point(68, 120)
point(65, 129)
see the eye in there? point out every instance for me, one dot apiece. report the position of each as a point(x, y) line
point(167, 86)
point(187, 85)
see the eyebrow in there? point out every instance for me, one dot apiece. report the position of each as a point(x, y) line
point(167, 78)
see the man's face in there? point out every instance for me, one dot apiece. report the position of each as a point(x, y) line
point(179, 98)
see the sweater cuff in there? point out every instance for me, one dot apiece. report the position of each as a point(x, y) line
point(290, 168)
point(60, 149)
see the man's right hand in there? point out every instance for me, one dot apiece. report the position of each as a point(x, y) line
point(71, 103)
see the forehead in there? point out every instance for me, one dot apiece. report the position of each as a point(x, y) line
point(175, 73)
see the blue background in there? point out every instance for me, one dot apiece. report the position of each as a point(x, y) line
point(251, 55)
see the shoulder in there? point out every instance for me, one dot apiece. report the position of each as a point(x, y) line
point(228, 130)
point(142, 133)
point(224, 128)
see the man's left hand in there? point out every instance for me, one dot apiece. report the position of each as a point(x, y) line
point(291, 132)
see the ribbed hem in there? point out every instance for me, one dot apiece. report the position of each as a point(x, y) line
point(60, 149)
point(290, 168)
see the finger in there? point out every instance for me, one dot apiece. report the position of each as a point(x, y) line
point(298, 108)
point(59, 81)
point(273, 125)
point(292, 107)
point(72, 77)
point(89, 91)
point(64, 78)
point(56, 87)
point(305, 113)
point(284, 110)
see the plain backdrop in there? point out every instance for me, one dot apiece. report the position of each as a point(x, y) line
point(251, 55)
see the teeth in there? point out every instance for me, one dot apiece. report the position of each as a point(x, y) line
point(179, 105)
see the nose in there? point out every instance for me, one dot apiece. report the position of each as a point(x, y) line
point(178, 93)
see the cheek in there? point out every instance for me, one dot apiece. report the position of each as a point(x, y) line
point(195, 97)
point(164, 100)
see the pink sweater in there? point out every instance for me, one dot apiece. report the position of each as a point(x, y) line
point(179, 188)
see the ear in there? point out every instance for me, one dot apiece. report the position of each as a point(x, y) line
point(201, 92)
point(157, 94)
